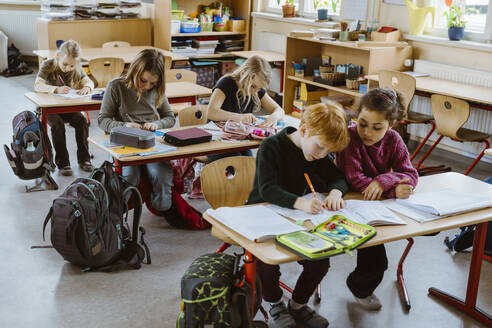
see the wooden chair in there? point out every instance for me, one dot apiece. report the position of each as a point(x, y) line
point(193, 115)
point(450, 115)
point(405, 84)
point(180, 75)
point(104, 69)
point(115, 44)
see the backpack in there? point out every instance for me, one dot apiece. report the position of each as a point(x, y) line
point(31, 156)
point(89, 223)
point(16, 66)
point(213, 291)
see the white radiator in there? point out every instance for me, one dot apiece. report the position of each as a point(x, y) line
point(479, 120)
point(21, 28)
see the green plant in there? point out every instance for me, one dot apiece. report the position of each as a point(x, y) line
point(319, 4)
point(287, 2)
point(454, 17)
point(334, 5)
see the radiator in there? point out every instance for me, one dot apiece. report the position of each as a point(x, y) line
point(21, 28)
point(479, 120)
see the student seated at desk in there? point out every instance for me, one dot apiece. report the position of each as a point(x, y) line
point(281, 163)
point(60, 74)
point(238, 95)
point(138, 100)
point(376, 163)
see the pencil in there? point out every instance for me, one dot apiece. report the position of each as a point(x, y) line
point(310, 185)
point(61, 80)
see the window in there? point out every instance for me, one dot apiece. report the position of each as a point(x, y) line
point(305, 8)
point(478, 22)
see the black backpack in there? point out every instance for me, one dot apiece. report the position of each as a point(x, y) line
point(31, 156)
point(89, 224)
point(16, 66)
point(213, 291)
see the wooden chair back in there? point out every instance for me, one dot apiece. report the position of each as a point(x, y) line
point(180, 75)
point(401, 82)
point(115, 44)
point(449, 114)
point(194, 115)
point(222, 189)
point(105, 69)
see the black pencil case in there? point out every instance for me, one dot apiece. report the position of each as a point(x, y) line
point(187, 137)
point(122, 135)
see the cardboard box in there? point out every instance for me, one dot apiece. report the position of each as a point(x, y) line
point(237, 25)
point(390, 36)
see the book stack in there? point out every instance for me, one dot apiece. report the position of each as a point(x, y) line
point(129, 9)
point(205, 45)
point(228, 45)
point(83, 10)
point(107, 9)
point(183, 47)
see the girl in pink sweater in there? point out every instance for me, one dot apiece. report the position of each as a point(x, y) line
point(376, 163)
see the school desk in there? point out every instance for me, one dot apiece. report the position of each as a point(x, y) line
point(176, 92)
point(270, 56)
point(270, 253)
point(481, 97)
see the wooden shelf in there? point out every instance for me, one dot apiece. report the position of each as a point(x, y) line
point(339, 88)
point(207, 34)
point(213, 56)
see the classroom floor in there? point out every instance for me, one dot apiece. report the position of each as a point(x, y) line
point(39, 289)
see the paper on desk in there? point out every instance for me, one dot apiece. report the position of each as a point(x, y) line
point(120, 151)
point(409, 212)
point(72, 94)
point(213, 129)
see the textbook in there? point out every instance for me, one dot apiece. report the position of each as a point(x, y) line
point(432, 205)
point(336, 235)
point(256, 222)
point(120, 151)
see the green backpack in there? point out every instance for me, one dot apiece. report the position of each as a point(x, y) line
point(213, 291)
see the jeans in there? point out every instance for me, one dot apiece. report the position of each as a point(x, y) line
point(161, 179)
point(369, 272)
point(57, 124)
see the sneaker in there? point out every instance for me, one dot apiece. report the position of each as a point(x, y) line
point(86, 166)
point(371, 302)
point(66, 171)
point(307, 316)
point(281, 317)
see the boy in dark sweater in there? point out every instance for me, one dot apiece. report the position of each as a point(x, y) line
point(281, 163)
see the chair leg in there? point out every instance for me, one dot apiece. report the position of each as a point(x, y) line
point(317, 295)
point(423, 141)
point(487, 145)
point(428, 152)
point(88, 118)
point(284, 286)
point(488, 258)
point(399, 275)
point(222, 248)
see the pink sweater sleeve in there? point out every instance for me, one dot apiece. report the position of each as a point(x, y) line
point(349, 161)
point(401, 168)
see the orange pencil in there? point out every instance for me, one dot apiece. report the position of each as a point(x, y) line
point(310, 185)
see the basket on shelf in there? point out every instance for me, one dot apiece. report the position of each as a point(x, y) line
point(326, 68)
point(333, 76)
point(355, 83)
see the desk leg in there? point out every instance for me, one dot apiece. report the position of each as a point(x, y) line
point(399, 276)
point(468, 306)
point(117, 166)
point(250, 277)
point(44, 122)
point(282, 65)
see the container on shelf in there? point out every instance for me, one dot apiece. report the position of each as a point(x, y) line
point(57, 9)
point(236, 25)
point(219, 26)
point(299, 72)
point(84, 9)
point(190, 27)
point(175, 26)
point(177, 14)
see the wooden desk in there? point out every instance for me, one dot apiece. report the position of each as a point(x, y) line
point(270, 56)
point(176, 92)
point(468, 92)
point(127, 53)
point(270, 253)
point(207, 148)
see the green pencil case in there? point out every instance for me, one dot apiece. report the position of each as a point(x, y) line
point(336, 235)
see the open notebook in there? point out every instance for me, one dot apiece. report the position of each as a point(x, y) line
point(428, 206)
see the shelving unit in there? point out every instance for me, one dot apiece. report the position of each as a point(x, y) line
point(372, 61)
point(162, 20)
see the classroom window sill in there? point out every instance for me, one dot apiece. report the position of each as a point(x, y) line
point(20, 2)
point(466, 44)
point(292, 20)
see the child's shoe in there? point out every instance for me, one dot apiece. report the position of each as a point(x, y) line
point(307, 316)
point(371, 302)
point(281, 317)
point(66, 171)
point(196, 191)
point(86, 166)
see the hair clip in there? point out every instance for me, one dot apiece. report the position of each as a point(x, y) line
point(386, 97)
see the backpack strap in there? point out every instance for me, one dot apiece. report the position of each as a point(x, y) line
point(137, 213)
point(48, 217)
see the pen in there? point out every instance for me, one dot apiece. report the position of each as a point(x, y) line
point(310, 185)
point(61, 80)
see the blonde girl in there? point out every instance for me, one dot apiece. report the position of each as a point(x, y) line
point(138, 100)
point(238, 95)
point(59, 75)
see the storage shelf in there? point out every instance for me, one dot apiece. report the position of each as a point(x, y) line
point(212, 56)
point(208, 34)
point(340, 88)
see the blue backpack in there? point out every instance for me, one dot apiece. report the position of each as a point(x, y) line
point(30, 155)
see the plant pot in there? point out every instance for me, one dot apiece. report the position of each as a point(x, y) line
point(322, 14)
point(456, 33)
point(288, 10)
